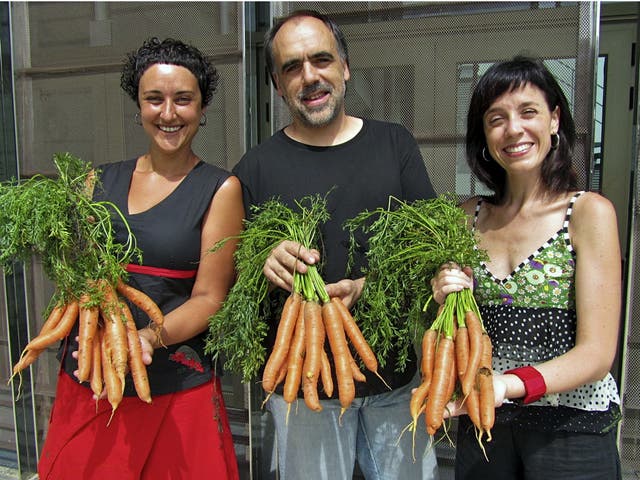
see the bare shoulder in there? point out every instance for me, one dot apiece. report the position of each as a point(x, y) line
point(232, 183)
point(593, 221)
point(592, 207)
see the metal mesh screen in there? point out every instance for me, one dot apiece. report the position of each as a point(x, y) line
point(69, 77)
point(629, 437)
point(418, 64)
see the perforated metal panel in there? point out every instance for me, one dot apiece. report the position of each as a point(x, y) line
point(629, 438)
point(417, 64)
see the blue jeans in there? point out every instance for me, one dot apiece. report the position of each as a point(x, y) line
point(320, 446)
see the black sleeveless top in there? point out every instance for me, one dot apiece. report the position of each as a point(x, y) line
point(168, 234)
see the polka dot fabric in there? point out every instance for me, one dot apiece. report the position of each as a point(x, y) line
point(530, 316)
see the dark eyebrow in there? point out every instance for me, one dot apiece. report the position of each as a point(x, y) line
point(158, 92)
point(316, 56)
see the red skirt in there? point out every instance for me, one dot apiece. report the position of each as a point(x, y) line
point(183, 435)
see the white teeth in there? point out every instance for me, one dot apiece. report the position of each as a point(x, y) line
point(167, 129)
point(517, 149)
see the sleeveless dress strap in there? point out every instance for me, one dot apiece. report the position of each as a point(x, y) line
point(567, 219)
point(475, 215)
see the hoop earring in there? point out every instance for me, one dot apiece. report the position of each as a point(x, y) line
point(555, 141)
point(484, 155)
point(137, 119)
point(203, 120)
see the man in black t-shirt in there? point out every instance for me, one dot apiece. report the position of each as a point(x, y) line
point(362, 162)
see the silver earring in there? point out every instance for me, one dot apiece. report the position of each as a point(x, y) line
point(203, 120)
point(484, 155)
point(136, 119)
point(555, 141)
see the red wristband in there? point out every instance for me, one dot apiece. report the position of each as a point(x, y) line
point(534, 385)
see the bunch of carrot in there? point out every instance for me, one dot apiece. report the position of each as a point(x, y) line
point(238, 330)
point(57, 219)
point(408, 243)
point(299, 358)
point(456, 364)
point(308, 318)
point(108, 342)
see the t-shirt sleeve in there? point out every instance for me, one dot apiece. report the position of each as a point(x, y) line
point(416, 183)
point(241, 170)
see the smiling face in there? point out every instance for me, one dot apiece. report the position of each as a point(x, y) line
point(170, 106)
point(518, 128)
point(309, 73)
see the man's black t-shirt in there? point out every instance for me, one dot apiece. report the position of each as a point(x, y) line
point(382, 160)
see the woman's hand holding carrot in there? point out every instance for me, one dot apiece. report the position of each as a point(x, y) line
point(451, 278)
point(459, 407)
point(147, 342)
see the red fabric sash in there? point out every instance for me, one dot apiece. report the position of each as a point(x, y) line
point(160, 272)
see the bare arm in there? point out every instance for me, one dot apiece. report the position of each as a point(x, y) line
point(594, 235)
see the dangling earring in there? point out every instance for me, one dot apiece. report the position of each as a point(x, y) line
point(555, 141)
point(203, 120)
point(484, 155)
point(136, 119)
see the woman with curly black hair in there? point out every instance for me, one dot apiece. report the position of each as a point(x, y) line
point(178, 207)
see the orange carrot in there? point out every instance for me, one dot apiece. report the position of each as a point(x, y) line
point(96, 365)
point(87, 327)
point(437, 399)
point(356, 373)
point(26, 359)
point(357, 339)
point(416, 407)
point(143, 302)
point(137, 368)
point(485, 385)
point(471, 399)
point(418, 398)
point(282, 374)
point(325, 375)
point(472, 403)
point(474, 329)
point(58, 332)
point(115, 332)
point(428, 349)
point(342, 358)
point(462, 351)
point(283, 340)
point(54, 317)
point(111, 378)
point(314, 334)
point(296, 357)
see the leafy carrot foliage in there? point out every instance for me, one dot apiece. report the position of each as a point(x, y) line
point(238, 329)
point(408, 242)
point(56, 219)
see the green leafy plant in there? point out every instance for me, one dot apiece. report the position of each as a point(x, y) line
point(237, 330)
point(57, 219)
point(408, 242)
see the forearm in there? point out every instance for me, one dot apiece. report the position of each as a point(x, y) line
point(577, 367)
point(185, 322)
